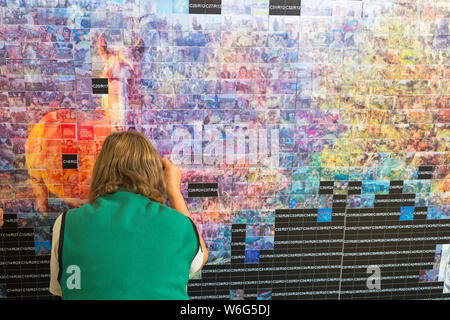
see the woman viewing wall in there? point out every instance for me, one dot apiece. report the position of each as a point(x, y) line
point(126, 243)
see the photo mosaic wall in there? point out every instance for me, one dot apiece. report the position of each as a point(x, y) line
point(313, 136)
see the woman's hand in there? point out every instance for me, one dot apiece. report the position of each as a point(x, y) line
point(172, 177)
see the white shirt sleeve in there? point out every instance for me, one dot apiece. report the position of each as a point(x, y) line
point(198, 259)
point(55, 287)
point(197, 262)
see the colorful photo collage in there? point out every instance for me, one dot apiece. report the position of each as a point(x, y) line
point(266, 106)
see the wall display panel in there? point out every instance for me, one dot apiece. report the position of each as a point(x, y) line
point(313, 136)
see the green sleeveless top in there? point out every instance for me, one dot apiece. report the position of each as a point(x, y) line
point(125, 246)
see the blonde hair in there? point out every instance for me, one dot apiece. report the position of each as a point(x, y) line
point(129, 160)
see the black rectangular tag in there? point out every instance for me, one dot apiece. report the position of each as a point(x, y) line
point(100, 85)
point(70, 161)
point(205, 6)
point(284, 7)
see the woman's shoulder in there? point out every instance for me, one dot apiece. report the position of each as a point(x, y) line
point(167, 212)
point(76, 213)
point(78, 209)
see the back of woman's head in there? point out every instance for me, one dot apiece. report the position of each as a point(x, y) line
point(129, 160)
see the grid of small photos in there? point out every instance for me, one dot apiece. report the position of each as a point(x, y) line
point(313, 136)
